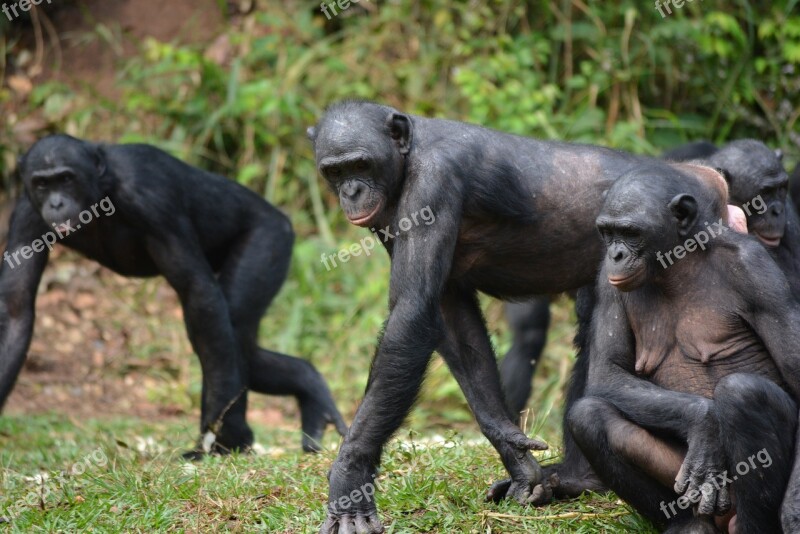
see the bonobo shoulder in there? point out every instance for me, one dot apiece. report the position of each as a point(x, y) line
point(750, 267)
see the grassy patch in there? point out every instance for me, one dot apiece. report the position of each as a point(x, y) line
point(126, 475)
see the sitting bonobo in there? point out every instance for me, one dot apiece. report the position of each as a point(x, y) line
point(695, 361)
point(224, 250)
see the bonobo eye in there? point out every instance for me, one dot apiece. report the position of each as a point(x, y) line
point(40, 183)
point(361, 165)
point(334, 171)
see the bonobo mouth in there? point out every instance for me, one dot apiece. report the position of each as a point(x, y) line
point(365, 220)
point(624, 283)
point(769, 241)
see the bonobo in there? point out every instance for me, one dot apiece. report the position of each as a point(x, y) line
point(758, 184)
point(718, 323)
point(530, 320)
point(514, 218)
point(223, 249)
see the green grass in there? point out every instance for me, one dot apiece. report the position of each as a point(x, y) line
point(435, 487)
point(331, 318)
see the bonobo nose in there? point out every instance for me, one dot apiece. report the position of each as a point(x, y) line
point(616, 253)
point(777, 209)
point(56, 203)
point(353, 190)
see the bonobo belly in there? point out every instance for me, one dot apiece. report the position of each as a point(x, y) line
point(509, 261)
point(687, 374)
point(124, 252)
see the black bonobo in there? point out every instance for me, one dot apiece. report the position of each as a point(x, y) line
point(685, 355)
point(140, 212)
point(514, 218)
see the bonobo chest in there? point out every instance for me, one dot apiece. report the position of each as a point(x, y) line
point(113, 244)
point(688, 345)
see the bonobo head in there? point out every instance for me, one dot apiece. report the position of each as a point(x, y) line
point(652, 209)
point(62, 177)
point(758, 184)
point(360, 149)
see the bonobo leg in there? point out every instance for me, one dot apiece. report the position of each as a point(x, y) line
point(757, 421)
point(251, 277)
point(469, 355)
point(529, 322)
point(641, 467)
point(573, 475)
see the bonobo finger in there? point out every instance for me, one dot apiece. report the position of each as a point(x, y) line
point(708, 502)
point(521, 493)
point(521, 441)
point(536, 445)
point(498, 490)
point(723, 500)
point(346, 525)
point(330, 526)
point(541, 494)
point(375, 524)
point(368, 525)
point(682, 480)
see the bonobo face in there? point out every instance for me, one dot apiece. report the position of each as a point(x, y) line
point(625, 234)
point(758, 184)
point(360, 152)
point(644, 215)
point(60, 175)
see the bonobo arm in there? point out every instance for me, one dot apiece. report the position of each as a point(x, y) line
point(18, 283)
point(421, 261)
point(772, 311)
point(180, 259)
point(612, 377)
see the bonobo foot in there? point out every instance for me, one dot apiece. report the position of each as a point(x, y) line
point(232, 438)
point(351, 501)
point(357, 523)
point(316, 413)
point(525, 485)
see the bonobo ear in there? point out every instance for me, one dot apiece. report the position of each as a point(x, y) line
point(725, 174)
point(684, 209)
point(400, 130)
point(311, 133)
point(779, 154)
point(99, 160)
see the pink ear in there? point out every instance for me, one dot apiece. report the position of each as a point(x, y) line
point(736, 219)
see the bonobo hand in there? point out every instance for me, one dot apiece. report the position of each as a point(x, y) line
point(525, 485)
point(351, 501)
point(702, 477)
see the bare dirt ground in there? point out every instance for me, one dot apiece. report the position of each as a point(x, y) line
point(104, 345)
